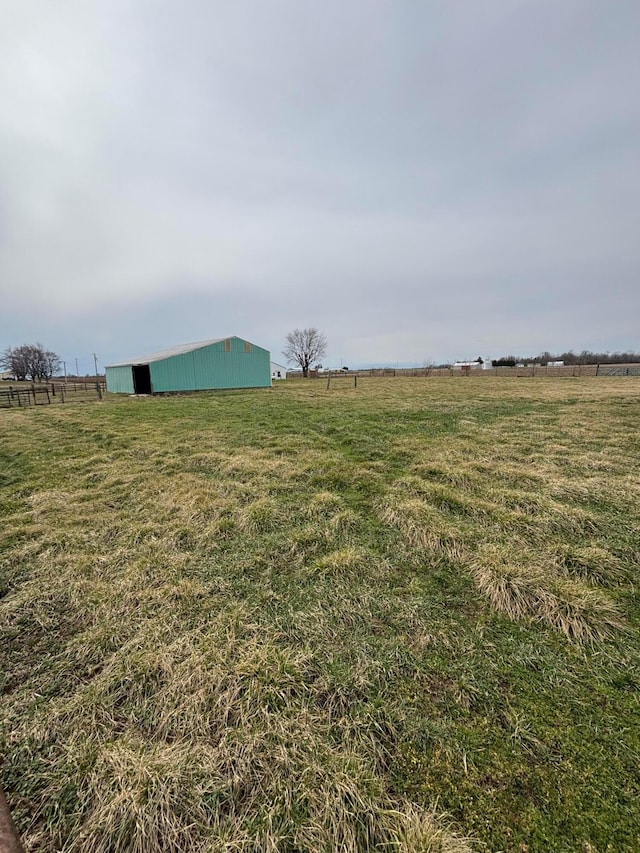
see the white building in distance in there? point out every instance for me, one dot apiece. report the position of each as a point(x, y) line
point(278, 371)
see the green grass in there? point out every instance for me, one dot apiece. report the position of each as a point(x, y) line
point(401, 617)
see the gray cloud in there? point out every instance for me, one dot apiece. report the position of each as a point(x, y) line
point(432, 181)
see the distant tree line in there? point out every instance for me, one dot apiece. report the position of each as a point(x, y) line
point(584, 357)
point(30, 361)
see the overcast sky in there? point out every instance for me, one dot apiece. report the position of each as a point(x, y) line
point(422, 181)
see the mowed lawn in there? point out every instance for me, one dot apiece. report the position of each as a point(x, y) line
point(398, 617)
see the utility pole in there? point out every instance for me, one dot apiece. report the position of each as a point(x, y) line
point(64, 365)
point(95, 361)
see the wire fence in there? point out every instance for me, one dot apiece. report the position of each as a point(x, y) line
point(567, 370)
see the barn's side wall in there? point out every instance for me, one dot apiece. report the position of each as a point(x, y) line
point(212, 367)
point(120, 380)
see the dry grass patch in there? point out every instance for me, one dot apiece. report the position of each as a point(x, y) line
point(424, 527)
point(594, 565)
point(526, 590)
point(217, 631)
point(258, 516)
point(351, 562)
point(196, 744)
point(322, 505)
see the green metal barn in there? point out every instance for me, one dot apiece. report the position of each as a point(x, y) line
point(221, 363)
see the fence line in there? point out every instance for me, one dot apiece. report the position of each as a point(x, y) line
point(567, 370)
point(23, 395)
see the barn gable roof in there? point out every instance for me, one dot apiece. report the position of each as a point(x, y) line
point(168, 353)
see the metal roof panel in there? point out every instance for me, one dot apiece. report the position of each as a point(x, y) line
point(168, 353)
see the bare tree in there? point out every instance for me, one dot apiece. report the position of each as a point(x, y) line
point(305, 347)
point(30, 361)
point(15, 360)
point(49, 363)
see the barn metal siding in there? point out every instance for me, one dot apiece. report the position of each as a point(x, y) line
point(120, 380)
point(211, 367)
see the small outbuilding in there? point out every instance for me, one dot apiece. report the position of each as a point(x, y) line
point(478, 364)
point(278, 371)
point(207, 365)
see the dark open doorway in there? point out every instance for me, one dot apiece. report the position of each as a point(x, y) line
point(141, 379)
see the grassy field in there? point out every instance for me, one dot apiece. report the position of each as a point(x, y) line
point(401, 617)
